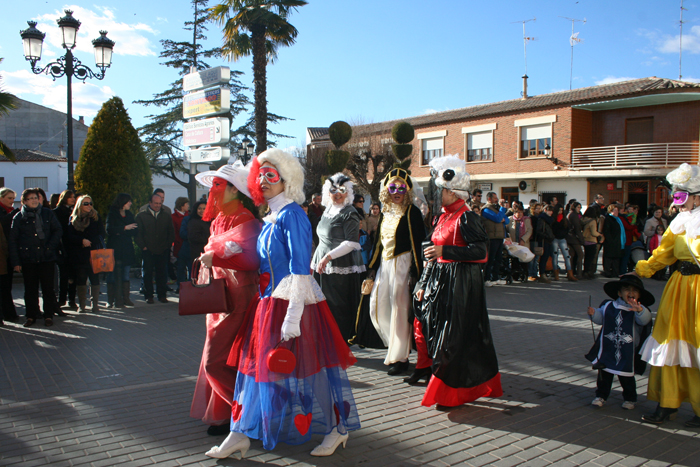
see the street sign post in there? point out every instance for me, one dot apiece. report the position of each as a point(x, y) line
point(206, 78)
point(204, 103)
point(208, 131)
point(212, 154)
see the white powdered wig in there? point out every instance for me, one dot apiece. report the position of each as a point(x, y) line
point(290, 170)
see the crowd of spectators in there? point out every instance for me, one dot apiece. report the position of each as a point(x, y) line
point(50, 245)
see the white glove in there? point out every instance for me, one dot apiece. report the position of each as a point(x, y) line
point(344, 248)
point(231, 248)
point(290, 325)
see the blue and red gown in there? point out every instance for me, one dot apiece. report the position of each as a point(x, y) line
point(316, 397)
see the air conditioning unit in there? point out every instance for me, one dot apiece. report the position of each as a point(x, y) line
point(527, 186)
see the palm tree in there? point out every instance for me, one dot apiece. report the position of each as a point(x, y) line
point(257, 27)
point(7, 103)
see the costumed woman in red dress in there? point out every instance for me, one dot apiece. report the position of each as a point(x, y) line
point(230, 253)
point(450, 297)
point(313, 396)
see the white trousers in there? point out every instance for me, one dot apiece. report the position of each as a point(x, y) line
point(389, 308)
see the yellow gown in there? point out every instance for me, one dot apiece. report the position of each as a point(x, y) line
point(673, 349)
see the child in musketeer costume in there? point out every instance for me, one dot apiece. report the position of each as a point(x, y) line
point(275, 404)
point(624, 322)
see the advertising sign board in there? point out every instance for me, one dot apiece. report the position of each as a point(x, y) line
point(203, 103)
point(206, 78)
point(208, 131)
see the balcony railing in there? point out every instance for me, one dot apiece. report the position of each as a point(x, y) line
point(635, 156)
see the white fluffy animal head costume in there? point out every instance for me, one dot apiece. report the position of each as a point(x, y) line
point(337, 180)
point(450, 172)
point(290, 171)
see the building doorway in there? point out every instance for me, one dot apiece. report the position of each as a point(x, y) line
point(510, 194)
point(638, 193)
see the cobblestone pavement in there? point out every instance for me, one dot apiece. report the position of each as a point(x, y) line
point(115, 388)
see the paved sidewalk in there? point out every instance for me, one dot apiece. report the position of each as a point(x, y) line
point(115, 388)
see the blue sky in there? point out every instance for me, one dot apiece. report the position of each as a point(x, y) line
point(367, 61)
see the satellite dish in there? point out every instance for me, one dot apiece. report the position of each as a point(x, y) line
point(522, 185)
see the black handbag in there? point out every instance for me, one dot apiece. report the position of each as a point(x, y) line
point(201, 299)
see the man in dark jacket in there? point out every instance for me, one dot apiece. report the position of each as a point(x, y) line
point(34, 240)
point(598, 205)
point(495, 220)
point(614, 244)
point(155, 236)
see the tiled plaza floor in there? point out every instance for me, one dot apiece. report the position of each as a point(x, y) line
point(115, 389)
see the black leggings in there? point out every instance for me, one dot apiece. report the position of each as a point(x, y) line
point(82, 273)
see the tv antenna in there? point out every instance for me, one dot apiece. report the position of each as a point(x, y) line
point(525, 39)
point(680, 43)
point(573, 40)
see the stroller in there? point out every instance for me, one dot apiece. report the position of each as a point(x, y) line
point(512, 269)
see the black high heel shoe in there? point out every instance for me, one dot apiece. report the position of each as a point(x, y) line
point(397, 368)
point(693, 422)
point(418, 374)
point(660, 415)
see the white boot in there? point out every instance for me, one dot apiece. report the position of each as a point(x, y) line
point(330, 443)
point(233, 442)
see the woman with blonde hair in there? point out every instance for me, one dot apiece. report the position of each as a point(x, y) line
point(85, 233)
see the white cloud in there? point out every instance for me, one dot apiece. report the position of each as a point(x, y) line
point(429, 111)
point(691, 42)
point(131, 39)
point(613, 79)
point(87, 98)
point(691, 80)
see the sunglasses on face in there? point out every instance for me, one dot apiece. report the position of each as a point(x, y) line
point(396, 189)
point(87, 203)
point(272, 176)
point(341, 190)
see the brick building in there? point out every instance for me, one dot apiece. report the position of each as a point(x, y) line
point(618, 139)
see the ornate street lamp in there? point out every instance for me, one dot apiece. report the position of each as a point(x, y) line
point(67, 66)
point(246, 150)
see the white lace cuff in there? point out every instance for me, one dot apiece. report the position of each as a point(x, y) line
point(344, 248)
point(299, 288)
point(345, 270)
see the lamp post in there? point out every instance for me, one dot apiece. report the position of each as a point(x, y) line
point(67, 66)
point(246, 150)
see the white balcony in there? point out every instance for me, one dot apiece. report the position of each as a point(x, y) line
point(635, 156)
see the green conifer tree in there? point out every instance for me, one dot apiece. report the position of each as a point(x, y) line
point(112, 160)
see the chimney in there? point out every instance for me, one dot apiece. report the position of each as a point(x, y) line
point(524, 87)
point(81, 120)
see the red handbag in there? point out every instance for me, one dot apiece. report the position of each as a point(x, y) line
point(201, 299)
point(281, 360)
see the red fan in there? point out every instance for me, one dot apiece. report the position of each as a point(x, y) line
point(281, 360)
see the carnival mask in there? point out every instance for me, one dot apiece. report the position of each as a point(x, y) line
point(681, 197)
point(270, 174)
point(342, 190)
point(396, 188)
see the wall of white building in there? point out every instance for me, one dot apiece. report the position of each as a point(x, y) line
point(573, 188)
point(53, 174)
point(174, 190)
